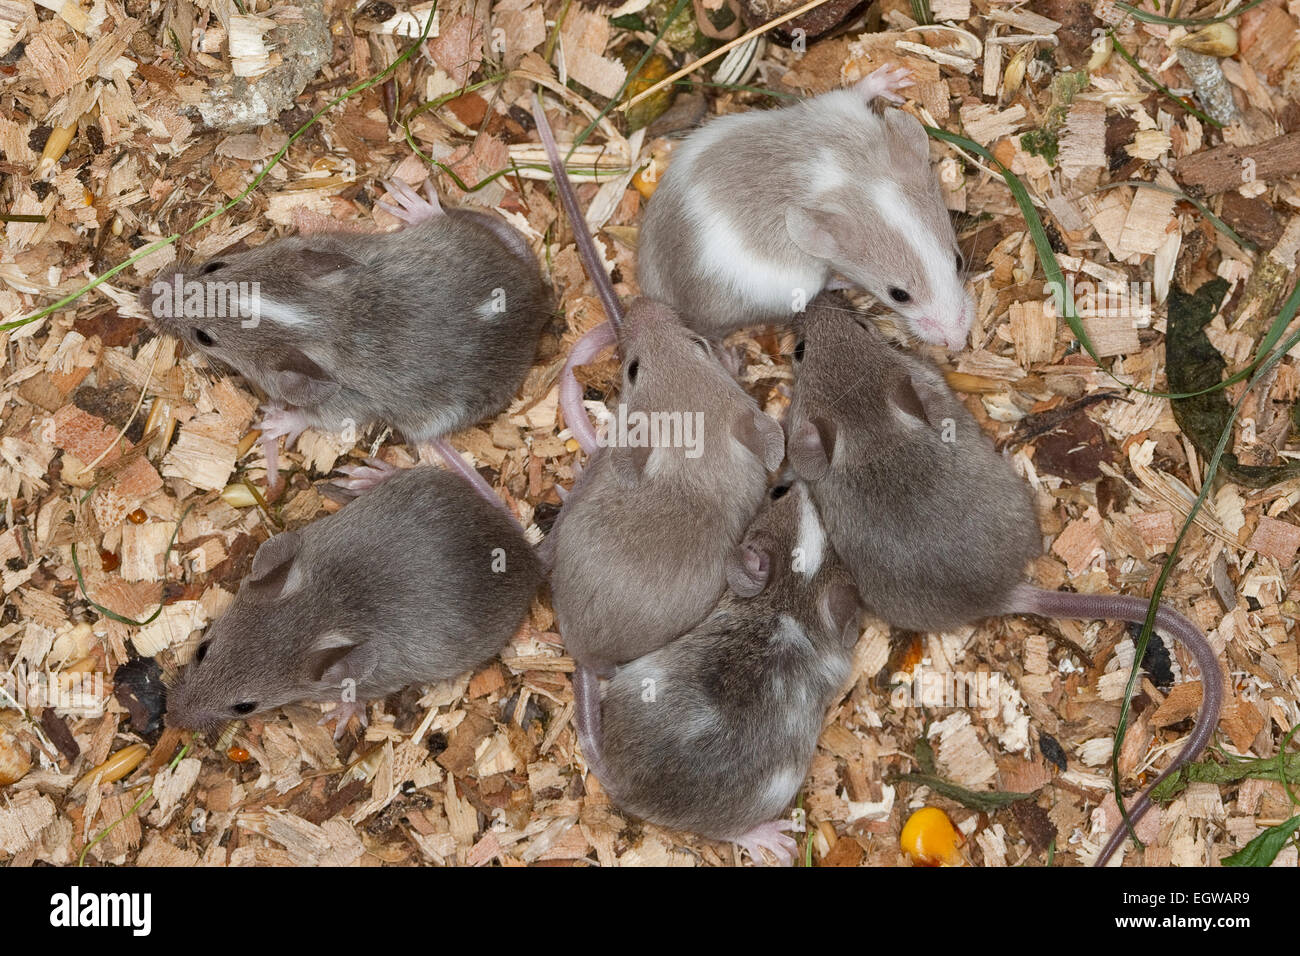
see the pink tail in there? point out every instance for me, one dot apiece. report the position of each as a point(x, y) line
point(586, 714)
point(575, 413)
point(1062, 604)
point(455, 463)
point(591, 259)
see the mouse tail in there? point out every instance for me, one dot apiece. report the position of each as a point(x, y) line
point(586, 714)
point(1063, 604)
point(591, 258)
point(575, 413)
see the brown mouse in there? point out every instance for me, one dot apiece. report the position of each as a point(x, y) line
point(637, 554)
point(417, 581)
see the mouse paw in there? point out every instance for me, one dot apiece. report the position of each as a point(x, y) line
point(411, 208)
point(884, 82)
point(343, 713)
point(278, 423)
point(770, 837)
point(362, 478)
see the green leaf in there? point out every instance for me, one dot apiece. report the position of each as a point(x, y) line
point(985, 801)
point(1263, 850)
point(1193, 365)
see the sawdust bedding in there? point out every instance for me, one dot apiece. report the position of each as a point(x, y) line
point(120, 125)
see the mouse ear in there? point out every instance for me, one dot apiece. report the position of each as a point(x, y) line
point(271, 564)
point(333, 657)
point(630, 462)
point(811, 230)
point(763, 436)
point(917, 399)
point(300, 381)
point(908, 131)
point(748, 568)
point(841, 609)
point(812, 445)
point(321, 263)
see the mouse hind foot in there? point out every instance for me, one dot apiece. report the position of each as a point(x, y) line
point(771, 837)
point(367, 477)
point(884, 82)
point(411, 208)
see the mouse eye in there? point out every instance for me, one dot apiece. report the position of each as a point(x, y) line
point(245, 707)
point(779, 491)
point(633, 367)
point(798, 350)
point(898, 295)
point(203, 338)
point(702, 344)
point(961, 263)
point(211, 267)
point(202, 652)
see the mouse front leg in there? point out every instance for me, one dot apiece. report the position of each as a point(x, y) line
point(343, 712)
point(884, 82)
point(278, 422)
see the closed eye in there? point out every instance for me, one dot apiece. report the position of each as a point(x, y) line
point(961, 263)
point(202, 652)
point(799, 349)
point(211, 267)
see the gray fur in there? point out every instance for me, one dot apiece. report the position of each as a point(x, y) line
point(637, 554)
point(738, 702)
point(390, 330)
point(937, 533)
point(772, 176)
point(397, 588)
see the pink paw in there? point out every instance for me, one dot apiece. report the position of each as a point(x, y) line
point(412, 208)
point(362, 478)
point(343, 713)
point(277, 423)
point(884, 82)
point(770, 837)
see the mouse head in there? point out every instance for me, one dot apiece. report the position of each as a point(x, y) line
point(659, 351)
point(786, 560)
point(852, 385)
point(254, 311)
point(267, 650)
point(890, 234)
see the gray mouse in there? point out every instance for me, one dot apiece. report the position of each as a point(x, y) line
point(714, 732)
point(758, 210)
point(417, 581)
point(430, 329)
point(637, 554)
point(936, 526)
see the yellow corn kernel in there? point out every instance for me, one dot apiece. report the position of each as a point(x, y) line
point(930, 839)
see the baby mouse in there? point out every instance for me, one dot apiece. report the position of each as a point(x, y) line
point(430, 329)
point(637, 554)
point(417, 581)
point(714, 732)
point(936, 527)
point(758, 209)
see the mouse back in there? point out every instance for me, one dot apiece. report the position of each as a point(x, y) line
point(419, 580)
point(936, 526)
point(714, 732)
point(428, 328)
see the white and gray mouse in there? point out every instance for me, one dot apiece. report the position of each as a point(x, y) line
point(714, 732)
point(759, 210)
point(417, 581)
point(429, 329)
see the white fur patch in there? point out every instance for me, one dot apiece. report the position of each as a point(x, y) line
point(724, 253)
point(943, 295)
point(811, 546)
point(781, 788)
point(283, 315)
